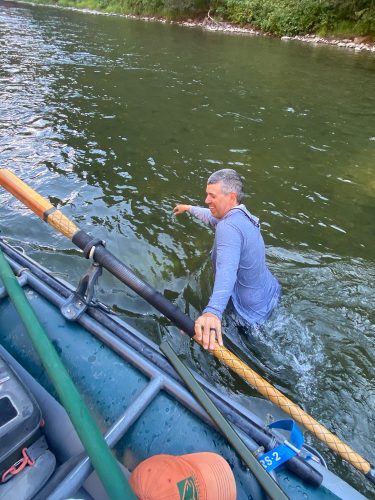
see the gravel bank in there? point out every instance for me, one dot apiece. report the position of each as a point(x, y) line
point(358, 44)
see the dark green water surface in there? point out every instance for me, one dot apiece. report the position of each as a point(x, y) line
point(117, 120)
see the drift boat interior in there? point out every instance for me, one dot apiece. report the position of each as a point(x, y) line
point(138, 400)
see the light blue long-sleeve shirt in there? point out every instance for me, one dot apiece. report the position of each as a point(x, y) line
point(241, 273)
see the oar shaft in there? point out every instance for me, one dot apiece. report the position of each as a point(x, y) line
point(106, 259)
point(299, 415)
point(39, 205)
point(24, 193)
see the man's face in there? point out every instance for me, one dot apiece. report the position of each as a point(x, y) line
point(218, 202)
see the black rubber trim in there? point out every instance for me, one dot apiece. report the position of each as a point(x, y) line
point(48, 212)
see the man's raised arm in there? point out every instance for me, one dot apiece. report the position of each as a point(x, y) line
point(203, 214)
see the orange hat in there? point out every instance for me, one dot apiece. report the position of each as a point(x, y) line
point(198, 476)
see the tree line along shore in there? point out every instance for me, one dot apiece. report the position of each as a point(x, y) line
point(325, 18)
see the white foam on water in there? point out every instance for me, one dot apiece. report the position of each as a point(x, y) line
point(284, 348)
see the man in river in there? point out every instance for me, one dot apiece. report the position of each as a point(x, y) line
point(238, 257)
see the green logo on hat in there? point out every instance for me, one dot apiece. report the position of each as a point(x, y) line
point(188, 489)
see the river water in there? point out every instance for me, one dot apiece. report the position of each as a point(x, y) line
point(116, 120)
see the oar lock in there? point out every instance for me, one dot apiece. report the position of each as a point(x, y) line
point(89, 249)
point(78, 301)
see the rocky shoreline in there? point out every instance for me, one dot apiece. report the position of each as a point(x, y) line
point(355, 44)
point(358, 44)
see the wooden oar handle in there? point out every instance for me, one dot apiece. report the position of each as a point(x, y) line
point(39, 205)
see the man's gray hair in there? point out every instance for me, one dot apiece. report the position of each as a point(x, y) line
point(231, 182)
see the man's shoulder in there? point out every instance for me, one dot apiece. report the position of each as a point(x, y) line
point(240, 224)
point(244, 212)
point(240, 214)
point(231, 219)
point(230, 227)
